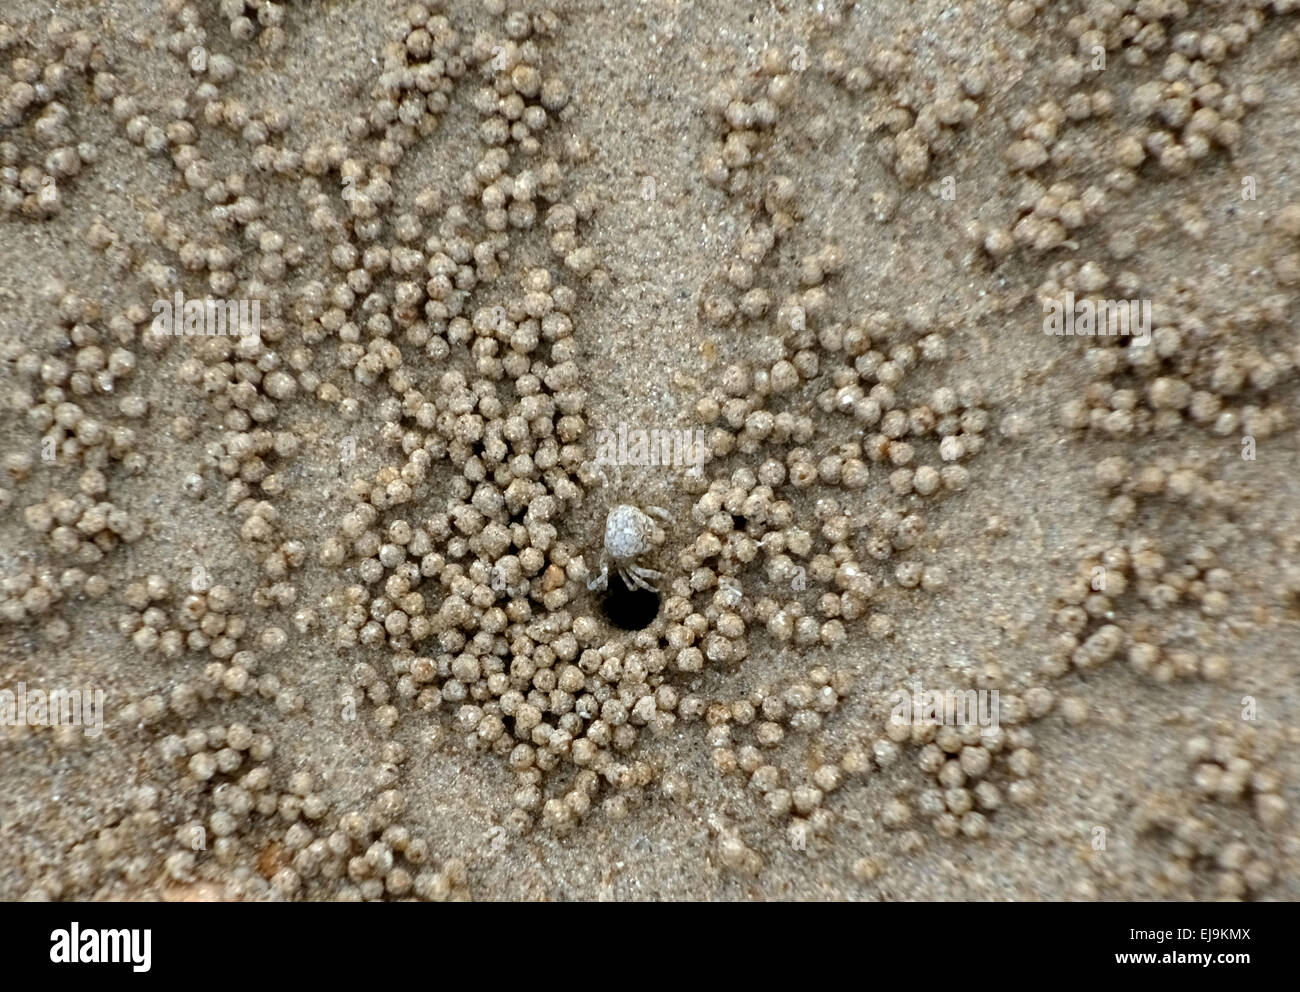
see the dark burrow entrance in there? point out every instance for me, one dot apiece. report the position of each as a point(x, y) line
point(629, 609)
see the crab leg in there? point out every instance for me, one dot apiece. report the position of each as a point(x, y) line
point(636, 576)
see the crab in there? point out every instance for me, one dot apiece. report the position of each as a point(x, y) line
point(629, 533)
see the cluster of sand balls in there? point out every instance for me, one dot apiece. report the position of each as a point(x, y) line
point(63, 390)
point(478, 603)
point(744, 112)
point(760, 564)
point(37, 80)
point(61, 393)
point(1176, 119)
point(30, 595)
point(529, 433)
point(960, 760)
point(1224, 371)
point(247, 20)
point(508, 430)
point(1193, 370)
point(1113, 607)
point(968, 772)
point(1200, 830)
point(225, 785)
point(229, 769)
point(922, 123)
point(1168, 375)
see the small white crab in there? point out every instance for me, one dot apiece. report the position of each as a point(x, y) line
point(630, 533)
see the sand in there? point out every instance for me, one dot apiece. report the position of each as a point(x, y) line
point(640, 76)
